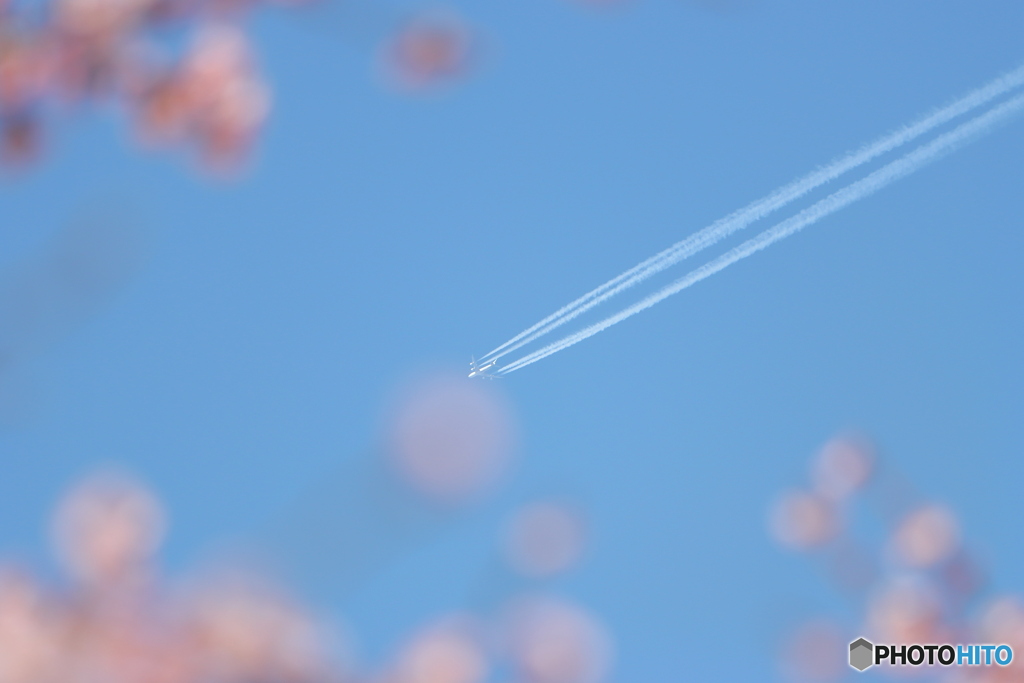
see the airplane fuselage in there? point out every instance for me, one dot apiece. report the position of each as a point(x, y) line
point(476, 370)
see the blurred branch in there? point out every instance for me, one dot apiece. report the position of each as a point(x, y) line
point(48, 296)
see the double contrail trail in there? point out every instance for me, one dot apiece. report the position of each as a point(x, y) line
point(759, 209)
point(922, 156)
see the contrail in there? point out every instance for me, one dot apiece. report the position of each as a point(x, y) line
point(759, 209)
point(902, 167)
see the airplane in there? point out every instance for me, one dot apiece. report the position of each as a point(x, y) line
point(477, 370)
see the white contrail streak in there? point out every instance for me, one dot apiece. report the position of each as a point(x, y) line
point(759, 209)
point(860, 189)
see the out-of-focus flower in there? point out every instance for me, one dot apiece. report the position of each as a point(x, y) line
point(107, 529)
point(215, 99)
point(20, 137)
point(843, 466)
point(803, 520)
point(208, 94)
point(99, 20)
point(430, 49)
point(448, 651)
point(30, 631)
point(23, 69)
point(926, 537)
point(1002, 621)
point(118, 621)
point(164, 110)
point(907, 610)
point(545, 538)
point(451, 439)
point(229, 100)
point(917, 584)
point(229, 630)
point(552, 640)
point(116, 642)
point(815, 653)
point(234, 117)
point(248, 631)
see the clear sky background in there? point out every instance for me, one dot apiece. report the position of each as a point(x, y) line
point(378, 236)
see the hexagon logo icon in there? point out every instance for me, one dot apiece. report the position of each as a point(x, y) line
point(861, 651)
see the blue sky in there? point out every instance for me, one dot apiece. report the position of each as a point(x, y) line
point(378, 236)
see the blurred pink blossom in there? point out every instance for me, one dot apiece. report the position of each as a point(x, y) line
point(451, 439)
point(803, 520)
point(450, 650)
point(545, 538)
point(430, 49)
point(920, 585)
point(552, 640)
point(210, 96)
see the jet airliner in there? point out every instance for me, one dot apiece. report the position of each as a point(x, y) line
point(478, 370)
